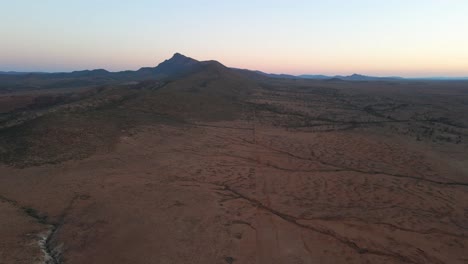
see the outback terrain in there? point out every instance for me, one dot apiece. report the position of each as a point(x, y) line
point(194, 162)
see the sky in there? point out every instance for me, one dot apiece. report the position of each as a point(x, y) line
point(416, 38)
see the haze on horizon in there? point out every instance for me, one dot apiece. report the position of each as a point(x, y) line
point(398, 38)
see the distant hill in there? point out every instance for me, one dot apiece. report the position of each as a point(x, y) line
point(18, 73)
point(260, 74)
point(177, 66)
point(353, 77)
point(441, 78)
point(314, 76)
point(272, 75)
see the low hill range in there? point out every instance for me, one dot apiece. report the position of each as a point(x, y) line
point(174, 67)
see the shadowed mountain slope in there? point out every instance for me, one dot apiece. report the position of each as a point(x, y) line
point(173, 68)
point(178, 90)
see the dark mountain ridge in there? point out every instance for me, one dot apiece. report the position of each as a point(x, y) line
point(353, 77)
point(175, 67)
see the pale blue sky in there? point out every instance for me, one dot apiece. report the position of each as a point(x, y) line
point(406, 38)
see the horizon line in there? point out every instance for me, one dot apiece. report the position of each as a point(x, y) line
point(440, 77)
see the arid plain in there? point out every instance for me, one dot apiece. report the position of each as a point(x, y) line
point(218, 165)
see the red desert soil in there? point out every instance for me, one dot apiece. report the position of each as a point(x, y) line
point(240, 192)
point(311, 173)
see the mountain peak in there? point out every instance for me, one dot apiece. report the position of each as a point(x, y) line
point(178, 55)
point(356, 75)
point(179, 65)
point(181, 59)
